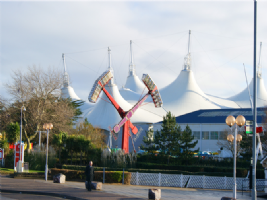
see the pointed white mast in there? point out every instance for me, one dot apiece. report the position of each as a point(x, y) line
point(189, 41)
point(259, 64)
point(131, 50)
point(187, 59)
point(132, 65)
point(109, 66)
point(65, 76)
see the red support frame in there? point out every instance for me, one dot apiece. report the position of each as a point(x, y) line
point(128, 124)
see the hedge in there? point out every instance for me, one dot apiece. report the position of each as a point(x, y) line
point(110, 176)
point(144, 167)
point(164, 159)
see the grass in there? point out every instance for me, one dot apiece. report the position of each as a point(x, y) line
point(11, 171)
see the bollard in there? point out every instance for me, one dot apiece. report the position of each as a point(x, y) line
point(103, 174)
point(228, 198)
point(154, 194)
point(123, 176)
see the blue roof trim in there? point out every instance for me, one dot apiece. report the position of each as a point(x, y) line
point(219, 115)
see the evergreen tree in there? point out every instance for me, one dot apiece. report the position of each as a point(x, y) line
point(13, 132)
point(186, 144)
point(167, 138)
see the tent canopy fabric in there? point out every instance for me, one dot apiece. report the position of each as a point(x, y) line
point(243, 99)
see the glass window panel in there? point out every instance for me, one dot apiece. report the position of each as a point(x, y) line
point(205, 135)
point(196, 135)
point(214, 135)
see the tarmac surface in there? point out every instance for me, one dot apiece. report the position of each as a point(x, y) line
point(40, 189)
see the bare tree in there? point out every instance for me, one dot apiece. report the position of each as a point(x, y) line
point(230, 145)
point(39, 92)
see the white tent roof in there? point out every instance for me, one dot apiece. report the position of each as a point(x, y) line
point(180, 97)
point(135, 84)
point(223, 102)
point(183, 95)
point(243, 100)
point(104, 115)
point(68, 92)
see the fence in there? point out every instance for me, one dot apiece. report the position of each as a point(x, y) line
point(192, 181)
point(260, 184)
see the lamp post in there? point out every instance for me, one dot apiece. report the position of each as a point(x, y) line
point(20, 140)
point(239, 121)
point(47, 127)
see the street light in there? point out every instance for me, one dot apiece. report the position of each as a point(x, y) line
point(47, 127)
point(20, 142)
point(239, 121)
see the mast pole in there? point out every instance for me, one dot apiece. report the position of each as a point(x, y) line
point(111, 82)
point(109, 58)
point(187, 59)
point(65, 76)
point(131, 65)
point(189, 41)
point(254, 191)
point(64, 63)
point(259, 64)
point(131, 51)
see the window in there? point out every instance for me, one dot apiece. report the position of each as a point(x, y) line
point(222, 135)
point(205, 135)
point(196, 135)
point(214, 135)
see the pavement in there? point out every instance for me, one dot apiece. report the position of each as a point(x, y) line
point(40, 189)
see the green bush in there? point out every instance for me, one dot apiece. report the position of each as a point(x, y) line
point(9, 160)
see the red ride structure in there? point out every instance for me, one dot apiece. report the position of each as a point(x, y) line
point(125, 122)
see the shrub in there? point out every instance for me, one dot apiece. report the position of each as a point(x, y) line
point(9, 160)
point(37, 158)
point(118, 159)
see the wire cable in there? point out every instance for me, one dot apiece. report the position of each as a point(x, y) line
point(82, 64)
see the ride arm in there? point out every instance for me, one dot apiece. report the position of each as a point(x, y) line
point(118, 108)
point(129, 114)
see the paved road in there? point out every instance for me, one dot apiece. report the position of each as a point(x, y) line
point(12, 196)
point(39, 187)
point(77, 190)
point(167, 193)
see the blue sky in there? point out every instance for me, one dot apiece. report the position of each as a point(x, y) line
point(37, 33)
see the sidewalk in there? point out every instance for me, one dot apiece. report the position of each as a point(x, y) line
point(76, 190)
point(67, 191)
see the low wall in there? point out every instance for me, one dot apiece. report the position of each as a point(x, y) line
point(110, 177)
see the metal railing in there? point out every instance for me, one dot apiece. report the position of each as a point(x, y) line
point(193, 181)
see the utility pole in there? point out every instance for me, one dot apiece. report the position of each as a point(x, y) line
point(254, 191)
